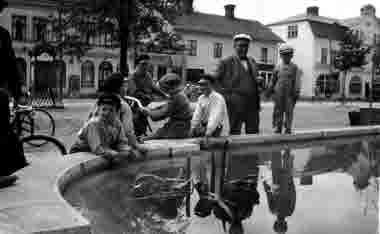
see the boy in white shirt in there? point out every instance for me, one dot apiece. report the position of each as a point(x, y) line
point(210, 117)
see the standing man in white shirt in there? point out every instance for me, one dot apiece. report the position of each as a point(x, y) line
point(210, 117)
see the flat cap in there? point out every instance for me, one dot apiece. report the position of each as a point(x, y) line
point(242, 36)
point(286, 49)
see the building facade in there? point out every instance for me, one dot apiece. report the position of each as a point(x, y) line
point(316, 40)
point(29, 22)
point(209, 39)
point(367, 26)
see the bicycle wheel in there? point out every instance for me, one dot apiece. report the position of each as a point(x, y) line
point(51, 145)
point(44, 123)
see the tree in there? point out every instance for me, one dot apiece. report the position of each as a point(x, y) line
point(352, 53)
point(127, 22)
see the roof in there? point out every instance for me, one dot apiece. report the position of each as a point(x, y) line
point(223, 26)
point(351, 22)
point(332, 31)
point(305, 17)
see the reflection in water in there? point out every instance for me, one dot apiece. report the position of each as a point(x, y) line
point(328, 183)
point(237, 197)
point(281, 194)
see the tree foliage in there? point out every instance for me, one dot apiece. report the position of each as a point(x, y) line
point(125, 23)
point(352, 52)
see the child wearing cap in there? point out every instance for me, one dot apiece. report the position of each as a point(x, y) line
point(177, 109)
point(285, 88)
point(103, 134)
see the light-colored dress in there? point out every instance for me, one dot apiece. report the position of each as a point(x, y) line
point(126, 117)
point(101, 137)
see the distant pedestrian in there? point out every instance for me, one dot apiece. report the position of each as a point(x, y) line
point(285, 88)
point(177, 110)
point(210, 117)
point(11, 78)
point(236, 76)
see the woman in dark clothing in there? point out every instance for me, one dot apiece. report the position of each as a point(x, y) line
point(11, 78)
point(10, 144)
point(177, 109)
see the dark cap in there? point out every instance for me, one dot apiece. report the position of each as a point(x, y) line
point(113, 83)
point(170, 82)
point(206, 78)
point(141, 57)
point(109, 99)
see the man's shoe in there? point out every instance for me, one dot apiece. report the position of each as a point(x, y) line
point(288, 131)
point(278, 131)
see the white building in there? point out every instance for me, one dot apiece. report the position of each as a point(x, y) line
point(208, 37)
point(315, 38)
point(367, 25)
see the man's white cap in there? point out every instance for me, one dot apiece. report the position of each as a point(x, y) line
point(242, 36)
point(286, 49)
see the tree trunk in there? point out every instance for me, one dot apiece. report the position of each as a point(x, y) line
point(124, 35)
point(344, 87)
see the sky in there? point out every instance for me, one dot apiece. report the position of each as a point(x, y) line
point(268, 11)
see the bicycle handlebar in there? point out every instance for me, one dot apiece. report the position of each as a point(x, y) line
point(134, 100)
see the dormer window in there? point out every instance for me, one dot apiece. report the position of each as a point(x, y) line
point(292, 31)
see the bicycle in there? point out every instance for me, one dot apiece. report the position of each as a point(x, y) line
point(140, 121)
point(51, 143)
point(29, 120)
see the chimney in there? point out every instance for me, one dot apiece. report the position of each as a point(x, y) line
point(312, 11)
point(187, 6)
point(229, 10)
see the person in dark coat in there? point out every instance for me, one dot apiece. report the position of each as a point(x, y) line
point(236, 77)
point(11, 79)
point(281, 195)
point(14, 158)
point(177, 109)
point(141, 85)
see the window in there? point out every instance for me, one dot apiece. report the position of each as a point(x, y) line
point(327, 84)
point(264, 55)
point(267, 78)
point(324, 55)
point(377, 38)
point(192, 47)
point(292, 31)
point(218, 50)
point(19, 28)
point(356, 85)
point(21, 66)
point(87, 74)
point(333, 54)
point(105, 69)
point(40, 29)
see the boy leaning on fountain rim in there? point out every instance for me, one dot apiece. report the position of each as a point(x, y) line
point(103, 134)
